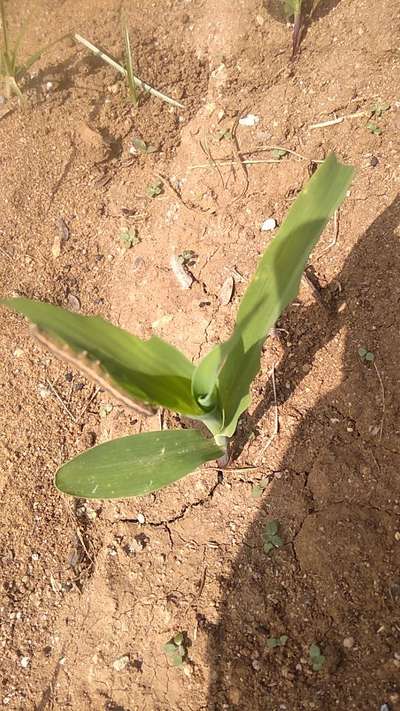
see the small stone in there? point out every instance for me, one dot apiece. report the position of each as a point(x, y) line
point(43, 391)
point(373, 161)
point(397, 536)
point(256, 665)
point(259, 20)
point(227, 290)
point(49, 85)
point(140, 518)
point(121, 663)
point(24, 662)
point(348, 642)
point(35, 556)
point(18, 352)
point(268, 225)
point(73, 302)
point(249, 120)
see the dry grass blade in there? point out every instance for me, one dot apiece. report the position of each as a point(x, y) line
point(119, 68)
point(129, 69)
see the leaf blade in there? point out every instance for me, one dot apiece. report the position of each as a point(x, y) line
point(231, 366)
point(151, 371)
point(135, 465)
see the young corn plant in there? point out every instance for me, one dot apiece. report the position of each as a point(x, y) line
point(11, 71)
point(145, 374)
point(298, 10)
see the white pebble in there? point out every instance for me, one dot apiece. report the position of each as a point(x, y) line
point(24, 662)
point(120, 663)
point(268, 225)
point(348, 642)
point(140, 518)
point(249, 120)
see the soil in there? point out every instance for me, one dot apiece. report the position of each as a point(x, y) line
point(91, 591)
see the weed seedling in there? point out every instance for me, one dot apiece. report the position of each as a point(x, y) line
point(143, 147)
point(273, 642)
point(145, 374)
point(259, 488)
point(374, 128)
point(366, 355)
point(132, 80)
point(155, 189)
point(129, 237)
point(176, 650)
point(299, 11)
point(11, 71)
point(316, 658)
point(271, 537)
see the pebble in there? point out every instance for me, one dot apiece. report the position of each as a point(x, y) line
point(24, 662)
point(43, 391)
point(227, 290)
point(73, 302)
point(121, 663)
point(249, 120)
point(140, 518)
point(268, 225)
point(373, 161)
point(397, 536)
point(18, 352)
point(256, 665)
point(348, 642)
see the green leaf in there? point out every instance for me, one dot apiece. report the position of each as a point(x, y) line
point(178, 639)
point(169, 648)
point(374, 128)
point(272, 642)
point(314, 651)
point(226, 373)
point(135, 465)
point(271, 528)
point(150, 371)
point(276, 541)
point(268, 547)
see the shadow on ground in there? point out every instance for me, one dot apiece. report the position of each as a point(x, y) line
point(337, 500)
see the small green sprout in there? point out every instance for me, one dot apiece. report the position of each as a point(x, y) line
point(187, 257)
point(279, 153)
point(11, 72)
point(316, 658)
point(259, 488)
point(374, 128)
point(273, 642)
point(176, 650)
point(366, 355)
point(224, 134)
point(129, 237)
point(142, 147)
point(155, 189)
point(271, 538)
point(146, 374)
point(379, 108)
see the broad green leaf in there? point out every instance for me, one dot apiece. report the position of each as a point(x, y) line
point(151, 371)
point(228, 370)
point(135, 465)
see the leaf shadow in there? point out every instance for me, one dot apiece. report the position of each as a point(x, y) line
point(335, 500)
